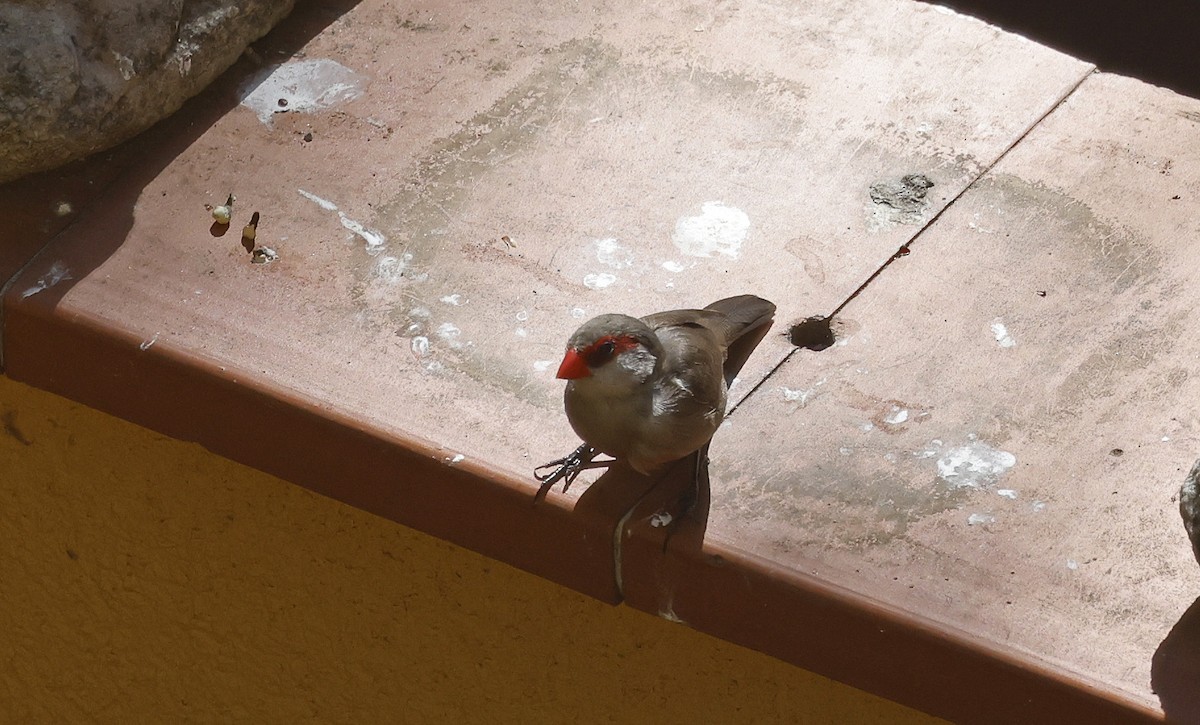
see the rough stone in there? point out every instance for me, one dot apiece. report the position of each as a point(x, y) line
point(80, 76)
point(1189, 507)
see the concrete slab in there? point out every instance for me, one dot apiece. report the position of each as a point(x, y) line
point(451, 188)
point(995, 443)
point(471, 181)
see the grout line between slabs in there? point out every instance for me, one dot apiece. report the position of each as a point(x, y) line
point(905, 248)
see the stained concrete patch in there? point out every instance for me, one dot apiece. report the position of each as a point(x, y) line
point(300, 86)
point(1114, 254)
point(901, 202)
point(582, 120)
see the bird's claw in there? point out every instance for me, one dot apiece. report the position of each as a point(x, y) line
point(568, 467)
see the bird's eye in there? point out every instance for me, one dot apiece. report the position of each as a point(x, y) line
point(601, 353)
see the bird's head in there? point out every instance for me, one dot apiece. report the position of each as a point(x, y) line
point(613, 349)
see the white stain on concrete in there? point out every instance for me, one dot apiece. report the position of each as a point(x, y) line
point(599, 280)
point(390, 269)
point(323, 203)
point(305, 86)
point(611, 253)
point(975, 226)
point(1072, 564)
point(578, 313)
point(542, 366)
point(457, 458)
point(420, 345)
point(673, 267)
point(1000, 332)
point(1007, 493)
point(1038, 506)
point(931, 450)
point(374, 239)
point(57, 273)
point(980, 519)
point(448, 331)
point(455, 299)
point(974, 464)
point(719, 230)
point(802, 396)
point(896, 416)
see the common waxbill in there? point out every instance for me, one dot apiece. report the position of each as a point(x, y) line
point(651, 391)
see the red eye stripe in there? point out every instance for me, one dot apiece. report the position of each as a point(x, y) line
point(606, 348)
point(621, 343)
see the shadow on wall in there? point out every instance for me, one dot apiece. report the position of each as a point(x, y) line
point(1154, 42)
point(1175, 669)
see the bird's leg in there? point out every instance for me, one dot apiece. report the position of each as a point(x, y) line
point(568, 467)
point(687, 501)
point(691, 495)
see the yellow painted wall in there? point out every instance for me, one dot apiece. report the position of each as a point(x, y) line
point(146, 580)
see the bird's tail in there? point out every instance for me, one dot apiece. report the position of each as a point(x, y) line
point(747, 319)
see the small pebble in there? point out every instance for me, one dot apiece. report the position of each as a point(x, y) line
point(264, 255)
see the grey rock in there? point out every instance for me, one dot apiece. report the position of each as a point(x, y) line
point(80, 76)
point(1189, 507)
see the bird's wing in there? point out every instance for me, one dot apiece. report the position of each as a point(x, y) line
point(738, 324)
point(691, 351)
point(740, 315)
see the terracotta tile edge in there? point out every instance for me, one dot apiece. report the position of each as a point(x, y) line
point(746, 599)
point(248, 419)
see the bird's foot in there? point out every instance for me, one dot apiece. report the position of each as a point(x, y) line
point(568, 467)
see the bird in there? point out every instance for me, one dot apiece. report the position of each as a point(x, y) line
point(652, 390)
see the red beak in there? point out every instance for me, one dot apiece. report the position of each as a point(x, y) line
point(573, 366)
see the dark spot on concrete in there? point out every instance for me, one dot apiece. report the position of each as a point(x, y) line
point(73, 555)
point(1041, 293)
point(905, 195)
point(1116, 452)
point(10, 427)
point(416, 27)
point(308, 137)
point(813, 333)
